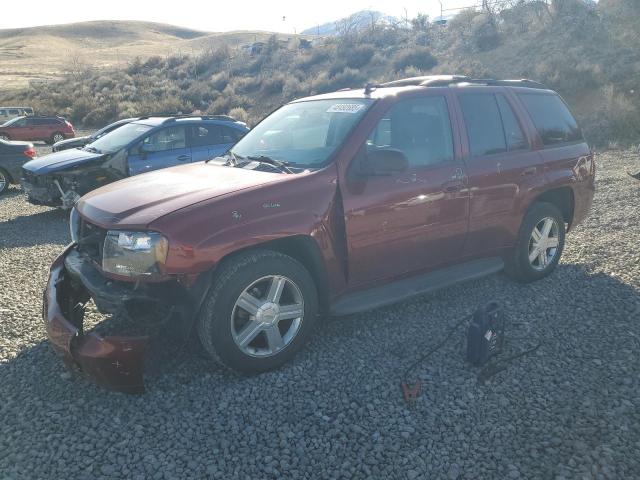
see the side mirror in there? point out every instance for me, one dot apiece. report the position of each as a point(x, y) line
point(385, 162)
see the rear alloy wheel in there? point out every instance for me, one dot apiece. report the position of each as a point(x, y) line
point(4, 181)
point(260, 311)
point(57, 137)
point(5, 137)
point(539, 245)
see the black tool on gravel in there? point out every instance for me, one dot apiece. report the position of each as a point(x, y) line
point(485, 336)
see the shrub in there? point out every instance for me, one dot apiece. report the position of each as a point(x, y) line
point(358, 56)
point(418, 57)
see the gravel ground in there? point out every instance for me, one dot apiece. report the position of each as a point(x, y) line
point(570, 410)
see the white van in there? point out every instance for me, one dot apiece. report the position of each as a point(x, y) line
point(7, 113)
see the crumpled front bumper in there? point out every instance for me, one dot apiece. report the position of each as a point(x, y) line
point(113, 361)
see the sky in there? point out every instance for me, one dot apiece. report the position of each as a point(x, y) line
point(214, 15)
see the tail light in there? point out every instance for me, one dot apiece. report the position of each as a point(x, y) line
point(68, 124)
point(30, 152)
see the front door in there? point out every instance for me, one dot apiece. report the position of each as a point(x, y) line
point(163, 148)
point(413, 220)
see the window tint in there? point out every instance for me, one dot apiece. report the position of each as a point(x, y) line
point(420, 128)
point(166, 139)
point(206, 135)
point(14, 112)
point(513, 133)
point(230, 135)
point(552, 118)
point(40, 121)
point(483, 122)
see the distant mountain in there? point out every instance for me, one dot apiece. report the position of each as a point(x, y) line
point(357, 21)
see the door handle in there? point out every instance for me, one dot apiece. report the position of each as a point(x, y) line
point(182, 158)
point(452, 187)
point(529, 171)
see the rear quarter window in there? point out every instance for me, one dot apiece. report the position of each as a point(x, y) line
point(552, 118)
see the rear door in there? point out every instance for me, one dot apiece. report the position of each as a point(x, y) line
point(414, 220)
point(163, 148)
point(501, 165)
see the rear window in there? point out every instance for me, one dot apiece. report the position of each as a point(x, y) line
point(552, 118)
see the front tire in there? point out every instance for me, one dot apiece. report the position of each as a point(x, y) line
point(4, 181)
point(261, 310)
point(540, 244)
point(5, 137)
point(56, 137)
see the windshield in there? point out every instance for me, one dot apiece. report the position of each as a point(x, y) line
point(118, 138)
point(303, 134)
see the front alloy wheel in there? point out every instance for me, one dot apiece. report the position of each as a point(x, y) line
point(267, 316)
point(261, 309)
point(4, 182)
point(58, 137)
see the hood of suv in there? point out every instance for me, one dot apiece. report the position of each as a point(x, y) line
point(60, 161)
point(137, 201)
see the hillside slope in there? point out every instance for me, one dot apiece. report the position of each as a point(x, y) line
point(46, 53)
point(589, 53)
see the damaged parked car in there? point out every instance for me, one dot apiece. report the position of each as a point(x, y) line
point(332, 205)
point(79, 142)
point(147, 144)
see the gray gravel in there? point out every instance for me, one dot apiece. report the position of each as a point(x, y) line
point(571, 410)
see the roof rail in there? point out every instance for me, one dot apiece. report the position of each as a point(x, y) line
point(223, 118)
point(175, 116)
point(447, 80)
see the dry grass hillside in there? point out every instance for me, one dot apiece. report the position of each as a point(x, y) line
point(49, 52)
point(589, 52)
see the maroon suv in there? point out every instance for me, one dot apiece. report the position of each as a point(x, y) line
point(333, 204)
point(35, 128)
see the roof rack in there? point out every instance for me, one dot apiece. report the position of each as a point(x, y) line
point(447, 80)
point(176, 116)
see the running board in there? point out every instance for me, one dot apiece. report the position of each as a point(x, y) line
point(410, 287)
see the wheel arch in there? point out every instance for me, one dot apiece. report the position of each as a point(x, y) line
point(302, 248)
point(562, 198)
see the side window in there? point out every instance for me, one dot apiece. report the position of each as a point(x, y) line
point(230, 135)
point(20, 123)
point(513, 134)
point(420, 128)
point(14, 112)
point(166, 139)
point(483, 123)
point(205, 135)
point(38, 121)
point(552, 118)
point(3, 113)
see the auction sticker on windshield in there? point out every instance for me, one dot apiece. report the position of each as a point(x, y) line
point(345, 108)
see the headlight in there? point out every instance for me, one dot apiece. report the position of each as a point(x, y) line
point(134, 254)
point(74, 225)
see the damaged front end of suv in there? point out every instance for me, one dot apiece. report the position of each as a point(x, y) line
point(116, 351)
point(60, 179)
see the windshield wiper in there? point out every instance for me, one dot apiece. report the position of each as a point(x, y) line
point(231, 159)
point(282, 165)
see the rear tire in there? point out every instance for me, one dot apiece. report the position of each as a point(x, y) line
point(4, 181)
point(260, 311)
point(5, 137)
point(539, 245)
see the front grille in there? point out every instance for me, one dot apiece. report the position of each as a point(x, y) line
point(91, 240)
